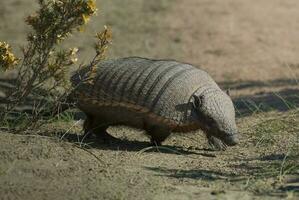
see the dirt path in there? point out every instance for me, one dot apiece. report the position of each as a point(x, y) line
point(46, 167)
point(248, 46)
point(240, 40)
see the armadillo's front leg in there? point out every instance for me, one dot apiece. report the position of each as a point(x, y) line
point(216, 144)
point(158, 134)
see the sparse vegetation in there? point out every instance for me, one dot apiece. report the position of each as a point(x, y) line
point(43, 69)
point(271, 129)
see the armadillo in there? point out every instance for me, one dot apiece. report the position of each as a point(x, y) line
point(159, 96)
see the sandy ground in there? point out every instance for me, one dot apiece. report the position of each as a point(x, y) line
point(248, 46)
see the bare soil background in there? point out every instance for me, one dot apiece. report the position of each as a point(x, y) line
point(248, 46)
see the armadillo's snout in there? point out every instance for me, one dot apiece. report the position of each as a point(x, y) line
point(231, 140)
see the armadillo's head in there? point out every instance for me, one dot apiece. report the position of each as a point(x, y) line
point(217, 115)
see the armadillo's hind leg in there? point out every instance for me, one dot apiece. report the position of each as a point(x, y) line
point(216, 144)
point(101, 133)
point(93, 126)
point(158, 134)
point(99, 128)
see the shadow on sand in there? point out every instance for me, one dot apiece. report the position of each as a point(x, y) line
point(209, 175)
point(284, 100)
point(260, 168)
point(128, 145)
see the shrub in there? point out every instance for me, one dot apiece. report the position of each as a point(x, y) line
point(42, 70)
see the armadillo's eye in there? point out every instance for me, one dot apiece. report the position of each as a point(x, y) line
point(212, 123)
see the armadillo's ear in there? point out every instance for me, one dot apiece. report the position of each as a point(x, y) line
point(228, 92)
point(197, 101)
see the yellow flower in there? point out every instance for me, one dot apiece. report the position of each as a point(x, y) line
point(108, 33)
point(105, 35)
point(81, 29)
point(91, 6)
point(73, 51)
point(85, 18)
point(73, 60)
point(7, 59)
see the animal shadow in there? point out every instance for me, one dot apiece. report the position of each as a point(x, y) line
point(132, 146)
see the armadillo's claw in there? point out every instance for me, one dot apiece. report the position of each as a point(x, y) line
point(216, 144)
point(155, 143)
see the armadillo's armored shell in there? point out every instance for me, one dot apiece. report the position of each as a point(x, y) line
point(159, 87)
